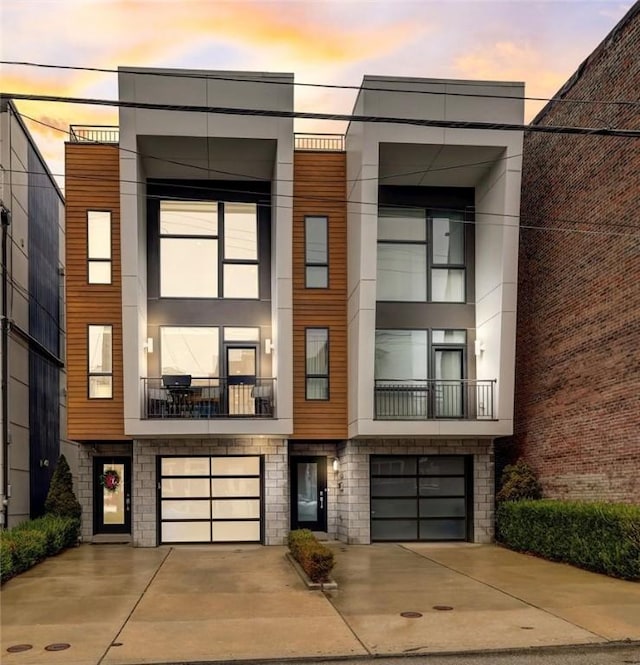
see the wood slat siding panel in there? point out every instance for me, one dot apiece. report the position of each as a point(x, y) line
point(320, 174)
point(92, 174)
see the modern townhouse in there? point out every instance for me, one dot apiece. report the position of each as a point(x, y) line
point(270, 331)
point(578, 383)
point(32, 384)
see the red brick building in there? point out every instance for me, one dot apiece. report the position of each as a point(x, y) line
point(577, 418)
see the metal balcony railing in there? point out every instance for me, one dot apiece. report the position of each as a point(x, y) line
point(434, 400)
point(94, 134)
point(186, 397)
point(329, 142)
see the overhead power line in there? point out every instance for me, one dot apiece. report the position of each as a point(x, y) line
point(331, 86)
point(343, 117)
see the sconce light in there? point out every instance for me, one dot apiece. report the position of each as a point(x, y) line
point(268, 346)
point(336, 465)
point(478, 347)
point(148, 345)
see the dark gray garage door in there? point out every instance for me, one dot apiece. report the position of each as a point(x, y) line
point(420, 497)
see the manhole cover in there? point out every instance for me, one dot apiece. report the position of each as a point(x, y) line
point(442, 608)
point(526, 627)
point(410, 615)
point(58, 646)
point(17, 648)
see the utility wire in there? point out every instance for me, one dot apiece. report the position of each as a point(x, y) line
point(331, 86)
point(271, 113)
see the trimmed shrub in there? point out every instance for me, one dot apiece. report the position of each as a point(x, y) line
point(315, 558)
point(30, 542)
point(61, 500)
point(518, 482)
point(602, 537)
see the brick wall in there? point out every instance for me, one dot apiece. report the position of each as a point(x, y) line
point(578, 341)
point(354, 486)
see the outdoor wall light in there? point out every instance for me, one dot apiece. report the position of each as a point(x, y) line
point(336, 464)
point(478, 347)
point(148, 345)
point(268, 346)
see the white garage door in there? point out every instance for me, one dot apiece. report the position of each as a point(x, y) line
point(210, 499)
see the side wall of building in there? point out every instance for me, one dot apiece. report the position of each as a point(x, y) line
point(578, 387)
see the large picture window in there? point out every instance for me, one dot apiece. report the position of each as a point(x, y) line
point(208, 249)
point(100, 360)
point(98, 247)
point(420, 257)
point(190, 350)
point(317, 363)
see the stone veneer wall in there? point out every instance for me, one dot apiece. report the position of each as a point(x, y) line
point(83, 483)
point(276, 481)
point(328, 450)
point(353, 481)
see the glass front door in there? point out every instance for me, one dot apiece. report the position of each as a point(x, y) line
point(241, 380)
point(309, 493)
point(112, 495)
point(449, 388)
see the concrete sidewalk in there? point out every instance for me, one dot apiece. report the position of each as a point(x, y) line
point(116, 604)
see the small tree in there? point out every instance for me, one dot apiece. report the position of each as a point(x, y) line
point(61, 500)
point(519, 481)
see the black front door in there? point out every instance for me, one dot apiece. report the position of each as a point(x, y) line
point(112, 495)
point(309, 493)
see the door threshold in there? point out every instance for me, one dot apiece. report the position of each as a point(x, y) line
point(111, 539)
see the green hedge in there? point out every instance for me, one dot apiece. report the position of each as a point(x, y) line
point(30, 542)
point(315, 558)
point(603, 537)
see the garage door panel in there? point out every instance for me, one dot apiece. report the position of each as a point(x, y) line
point(435, 465)
point(185, 466)
point(181, 509)
point(452, 507)
point(394, 530)
point(442, 529)
point(393, 486)
point(185, 488)
point(394, 508)
point(442, 486)
point(235, 487)
point(236, 531)
point(235, 466)
point(236, 508)
point(186, 532)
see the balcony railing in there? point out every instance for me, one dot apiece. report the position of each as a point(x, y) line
point(330, 142)
point(94, 134)
point(208, 398)
point(434, 400)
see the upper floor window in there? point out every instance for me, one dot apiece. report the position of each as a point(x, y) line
point(99, 247)
point(208, 249)
point(317, 363)
point(100, 358)
point(421, 257)
point(316, 252)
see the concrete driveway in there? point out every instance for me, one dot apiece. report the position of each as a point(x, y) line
point(116, 604)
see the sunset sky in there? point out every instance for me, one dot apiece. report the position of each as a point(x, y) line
point(321, 41)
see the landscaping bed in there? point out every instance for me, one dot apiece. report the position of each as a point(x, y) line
point(315, 559)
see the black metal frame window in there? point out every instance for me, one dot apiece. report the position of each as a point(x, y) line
point(421, 256)
point(209, 249)
point(100, 361)
point(99, 246)
point(316, 363)
point(210, 499)
point(316, 252)
point(424, 497)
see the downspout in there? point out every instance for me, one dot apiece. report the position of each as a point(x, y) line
point(4, 371)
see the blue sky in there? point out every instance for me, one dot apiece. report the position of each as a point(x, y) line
point(540, 43)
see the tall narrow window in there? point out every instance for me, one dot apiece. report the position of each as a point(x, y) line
point(99, 246)
point(316, 254)
point(317, 363)
point(447, 258)
point(240, 269)
point(100, 347)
